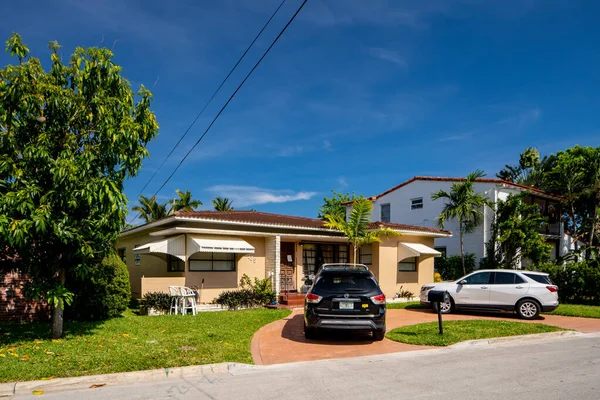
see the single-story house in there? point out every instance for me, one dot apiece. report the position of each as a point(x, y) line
point(212, 250)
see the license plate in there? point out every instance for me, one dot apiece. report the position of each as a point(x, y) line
point(346, 305)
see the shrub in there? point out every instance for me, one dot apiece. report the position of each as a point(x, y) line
point(437, 277)
point(157, 300)
point(450, 268)
point(102, 293)
point(578, 283)
point(251, 294)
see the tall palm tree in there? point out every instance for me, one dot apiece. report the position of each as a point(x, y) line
point(356, 229)
point(464, 205)
point(184, 202)
point(222, 204)
point(150, 210)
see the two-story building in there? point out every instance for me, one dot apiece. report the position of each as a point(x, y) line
point(410, 203)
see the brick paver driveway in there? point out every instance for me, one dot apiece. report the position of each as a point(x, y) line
point(283, 341)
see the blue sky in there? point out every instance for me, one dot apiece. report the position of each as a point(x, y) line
point(356, 96)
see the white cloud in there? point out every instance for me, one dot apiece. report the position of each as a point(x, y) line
point(290, 151)
point(243, 196)
point(342, 182)
point(327, 145)
point(388, 55)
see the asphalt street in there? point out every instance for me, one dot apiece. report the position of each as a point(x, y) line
point(565, 368)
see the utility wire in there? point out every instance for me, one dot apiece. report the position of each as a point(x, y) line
point(213, 96)
point(232, 96)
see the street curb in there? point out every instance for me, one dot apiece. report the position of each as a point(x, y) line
point(517, 339)
point(85, 382)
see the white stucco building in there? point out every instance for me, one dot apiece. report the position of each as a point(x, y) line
point(410, 203)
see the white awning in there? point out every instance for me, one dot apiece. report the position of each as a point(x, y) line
point(218, 245)
point(174, 246)
point(406, 250)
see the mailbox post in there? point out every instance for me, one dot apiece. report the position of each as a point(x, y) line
point(438, 297)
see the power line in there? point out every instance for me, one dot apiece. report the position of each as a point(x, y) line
point(232, 96)
point(213, 95)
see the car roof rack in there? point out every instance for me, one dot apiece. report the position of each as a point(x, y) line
point(344, 267)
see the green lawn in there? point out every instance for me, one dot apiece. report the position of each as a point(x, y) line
point(458, 331)
point(408, 305)
point(129, 343)
point(577, 310)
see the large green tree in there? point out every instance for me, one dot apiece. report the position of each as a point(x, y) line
point(464, 205)
point(222, 204)
point(515, 234)
point(184, 202)
point(69, 137)
point(149, 209)
point(356, 228)
point(334, 205)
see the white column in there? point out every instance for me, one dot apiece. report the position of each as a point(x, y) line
point(272, 260)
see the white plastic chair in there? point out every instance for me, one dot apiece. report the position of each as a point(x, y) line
point(188, 298)
point(175, 293)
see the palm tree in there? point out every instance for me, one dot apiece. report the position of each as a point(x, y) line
point(356, 229)
point(184, 202)
point(464, 205)
point(222, 204)
point(150, 210)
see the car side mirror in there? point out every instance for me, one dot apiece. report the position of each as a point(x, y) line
point(463, 282)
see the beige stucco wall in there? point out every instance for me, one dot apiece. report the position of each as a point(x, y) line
point(150, 265)
point(160, 284)
point(216, 282)
point(385, 266)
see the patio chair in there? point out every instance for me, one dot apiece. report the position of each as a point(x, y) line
point(176, 299)
point(188, 297)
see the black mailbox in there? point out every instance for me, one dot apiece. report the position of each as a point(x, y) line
point(436, 296)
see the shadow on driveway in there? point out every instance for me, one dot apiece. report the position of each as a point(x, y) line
point(294, 330)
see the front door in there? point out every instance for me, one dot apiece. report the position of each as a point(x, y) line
point(287, 267)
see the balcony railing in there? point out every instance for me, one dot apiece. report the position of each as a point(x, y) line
point(552, 229)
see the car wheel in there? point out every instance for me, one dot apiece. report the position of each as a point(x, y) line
point(379, 334)
point(528, 309)
point(447, 306)
point(310, 333)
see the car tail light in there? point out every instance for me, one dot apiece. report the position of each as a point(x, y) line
point(313, 298)
point(552, 288)
point(380, 299)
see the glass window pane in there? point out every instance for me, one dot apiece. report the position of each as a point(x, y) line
point(201, 256)
point(408, 264)
point(504, 278)
point(196, 265)
point(223, 256)
point(223, 265)
point(480, 278)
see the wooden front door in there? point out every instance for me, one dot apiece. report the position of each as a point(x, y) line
point(287, 267)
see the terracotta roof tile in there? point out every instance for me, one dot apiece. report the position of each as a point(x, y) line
point(404, 227)
point(255, 217)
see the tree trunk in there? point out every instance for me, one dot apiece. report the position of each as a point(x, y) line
point(57, 311)
point(354, 249)
point(574, 226)
point(593, 230)
point(462, 247)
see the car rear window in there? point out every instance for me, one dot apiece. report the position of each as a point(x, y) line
point(545, 279)
point(335, 283)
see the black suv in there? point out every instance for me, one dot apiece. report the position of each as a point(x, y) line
point(344, 296)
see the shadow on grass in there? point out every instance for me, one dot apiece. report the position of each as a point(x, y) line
point(19, 332)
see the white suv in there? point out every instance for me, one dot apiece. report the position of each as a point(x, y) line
point(526, 292)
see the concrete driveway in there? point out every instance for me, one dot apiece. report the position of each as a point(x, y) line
point(283, 341)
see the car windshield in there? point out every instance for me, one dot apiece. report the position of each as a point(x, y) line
point(345, 282)
point(544, 279)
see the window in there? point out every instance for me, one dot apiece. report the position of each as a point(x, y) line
point(408, 264)
point(544, 279)
point(385, 213)
point(122, 254)
point(416, 204)
point(212, 262)
point(507, 278)
point(314, 255)
point(345, 282)
point(441, 249)
point(480, 278)
point(137, 260)
point(174, 264)
point(366, 254)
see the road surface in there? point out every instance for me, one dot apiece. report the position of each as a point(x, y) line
point(565, 368)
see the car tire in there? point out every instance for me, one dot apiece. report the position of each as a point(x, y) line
point(310, 333)
point(447, 307)
point(528, 309)
point(379, 334)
